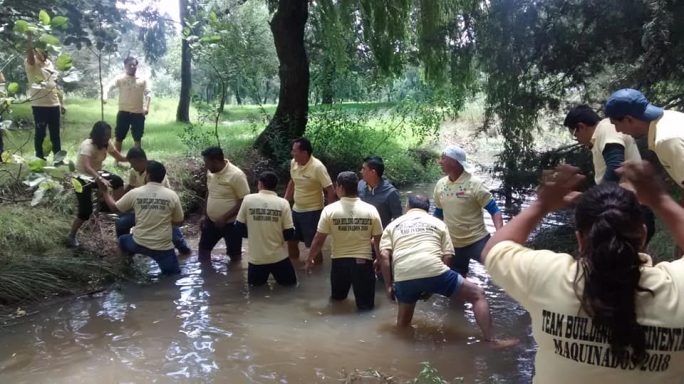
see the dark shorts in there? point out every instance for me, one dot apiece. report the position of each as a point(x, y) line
point(461, 260)
point(306, 224)
point(410, 291)
point(85, 197)
point(127, 120)
point(283, 272)
point(358, 274)
point(47, 120)
point(166, 259)
point(211, 234)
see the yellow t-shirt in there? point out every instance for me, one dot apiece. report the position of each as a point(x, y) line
point(225, 187)
point(136, 179)
point(155, 207)
point(351, 223)
point(666, 139)
point(462, 202)
point(132, 91)
point(97, 156)
point(309, 181)
point(604, 134)
point(569, 349)
point(42, 79)
point(417, 241)
point(266, 216)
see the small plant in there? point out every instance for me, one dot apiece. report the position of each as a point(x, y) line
point(429, 375)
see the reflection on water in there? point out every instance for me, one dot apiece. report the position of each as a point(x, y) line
point(206, 325)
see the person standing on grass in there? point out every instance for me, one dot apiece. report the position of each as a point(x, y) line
point(134, 103)
point(137, 177)
point(157, 209)
point(308, 180)
point(607, 315)
point(91, 176)
point(460, 198)
point(46, 99)
point(266, 221)
point(415, 251)
point(352, 224)
point(374, 189)
point(609, 149)
point(226, 188)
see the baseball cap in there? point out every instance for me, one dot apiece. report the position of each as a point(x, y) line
point(631, 102)
point(457, 153)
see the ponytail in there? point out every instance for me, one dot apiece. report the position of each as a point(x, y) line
point(610, 222)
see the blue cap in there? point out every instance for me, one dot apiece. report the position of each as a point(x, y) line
point(631, 102)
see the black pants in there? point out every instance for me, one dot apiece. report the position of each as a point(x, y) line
point(85, 197)
point(211, 234)
point(283, 272)
point(46, 118)
point(128, 120)
point(358, 274)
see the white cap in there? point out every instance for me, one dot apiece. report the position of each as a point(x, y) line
point(457, 153)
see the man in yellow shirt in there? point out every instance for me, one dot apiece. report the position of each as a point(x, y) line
point(134, 103)
point(137, 177)
point(308, 180)
point(266, 221)
point(46, 99)
point(414, 252)
point(226, 187)
point(460, 199)
point(157, 209)
point(352, 224)
point(632, 114)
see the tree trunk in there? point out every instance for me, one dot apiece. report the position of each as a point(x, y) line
point(327, 90)
point(289, 120)
point(236, 90)
point(183, 112)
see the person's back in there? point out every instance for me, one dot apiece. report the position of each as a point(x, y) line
point(608, 316)
point(266, 215)
point(156, 207)
point(351, 223)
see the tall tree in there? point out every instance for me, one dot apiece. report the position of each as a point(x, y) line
point(183, 111)
point(289, 120)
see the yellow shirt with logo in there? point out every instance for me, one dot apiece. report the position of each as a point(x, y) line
point(266, 216)
point(569, 348)
point(137, 179)
point(132, 91)
point(309, 181)
point(42, 77)
point(155, 207)
point(666, 139)
point(351, 223)
point(605, 134)
point(462, 202)
point(96, 155)
point(225, 188)
point(418, 242)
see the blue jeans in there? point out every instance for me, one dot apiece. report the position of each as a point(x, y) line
point(166, 259)
point(460, 262)
point(126, 221)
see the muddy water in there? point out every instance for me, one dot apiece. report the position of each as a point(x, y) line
point(206, 325)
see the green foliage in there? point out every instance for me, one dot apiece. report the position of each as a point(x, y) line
point(44, 17)
point(12, 88)
point(429, 375)
point(64, 62)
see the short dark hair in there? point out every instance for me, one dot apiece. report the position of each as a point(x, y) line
point(349, 182)
point(97, 133)
point(128, 59)
point(375, 163)
point(213, 153)
point(269, 180)
point(156, 172)
point(419, 201)
point(136, 153)
point(581, 114)
point(304, 144)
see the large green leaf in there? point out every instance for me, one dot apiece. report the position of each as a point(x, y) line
point(12, 88)
point(36, 164)
point(21, 26)
point(59, 22)
point(44, 17)
point(59, 156)
point(64, 62)
point(49, 40)
point(78, 187)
